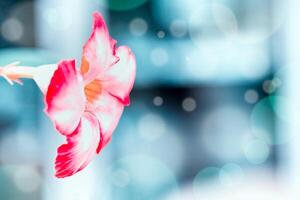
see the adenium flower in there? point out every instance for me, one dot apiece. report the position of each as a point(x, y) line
point(84, 104)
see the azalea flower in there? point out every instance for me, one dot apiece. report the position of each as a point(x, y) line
point(84, 104)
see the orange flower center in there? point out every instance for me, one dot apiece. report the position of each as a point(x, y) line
point(93, 89)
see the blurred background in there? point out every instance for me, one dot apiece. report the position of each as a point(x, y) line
point(214, 112)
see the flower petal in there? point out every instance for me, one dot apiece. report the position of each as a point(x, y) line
point(65, 100)
point(42, 76)
point(99, 51)
point(80, 148)
point(118, 79)
point(108, 110)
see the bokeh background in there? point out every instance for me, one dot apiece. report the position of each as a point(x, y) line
point(214, 112)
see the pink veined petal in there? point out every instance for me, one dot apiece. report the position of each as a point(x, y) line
point(80, 148)
point(99, 51)
point(65, 99)
point(108, 111)
point(42, 76)
point(118, 79)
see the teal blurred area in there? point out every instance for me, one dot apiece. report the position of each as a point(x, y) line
point(214, 111)
point(27, 56)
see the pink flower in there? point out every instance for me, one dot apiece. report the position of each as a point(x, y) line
point(85, 105)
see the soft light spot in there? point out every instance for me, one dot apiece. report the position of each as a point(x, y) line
point(178, 28)
point(12, 29)
point(148, 175)
point(189, 104)
point(151, 126)
point(256, 151)
point(251, 96)
point(121, 178)
point(218, 129)
point(27, 179)
point(231, 175)
point(158, 101)
point(22, 146)
point(200, 23)
point(138, 27)
point(203, 181)
point(271, 110)
point(159, 57)
point(161, 34)
point(225, 19)
point(269, 86)
point(206, 175)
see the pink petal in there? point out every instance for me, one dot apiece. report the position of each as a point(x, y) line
point(65, 99)
point(108, 110)
point(42, 76)
point(80, 148)
point(118, 79)
point(99, 51)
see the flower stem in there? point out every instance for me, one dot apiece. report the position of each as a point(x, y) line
point(14, 73)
